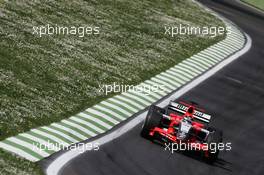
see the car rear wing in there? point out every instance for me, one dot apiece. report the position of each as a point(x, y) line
point(181, 108)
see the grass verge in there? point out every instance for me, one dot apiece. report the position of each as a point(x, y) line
point(43, 80)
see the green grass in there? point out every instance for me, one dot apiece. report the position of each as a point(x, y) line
point(43, 80)
point(11, 164)
point(256, 3)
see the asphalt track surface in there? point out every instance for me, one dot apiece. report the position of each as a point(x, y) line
point(235, 97)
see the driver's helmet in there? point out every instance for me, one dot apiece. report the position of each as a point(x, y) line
point(189, 113)
point(190, 110)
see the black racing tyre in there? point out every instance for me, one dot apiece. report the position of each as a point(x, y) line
point(214, 138)
point(152, 120)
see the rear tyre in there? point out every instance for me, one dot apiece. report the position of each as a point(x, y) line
point(213, 140)
point(152, 120)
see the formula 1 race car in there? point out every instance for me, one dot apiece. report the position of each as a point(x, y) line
point(183, 123)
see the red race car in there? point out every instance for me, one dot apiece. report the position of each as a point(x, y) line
point(183, 123)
